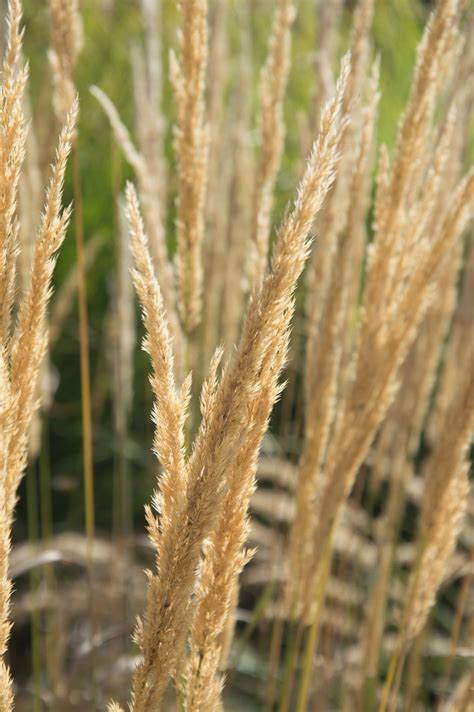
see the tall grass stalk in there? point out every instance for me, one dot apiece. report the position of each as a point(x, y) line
point(86, 404)
point(313, 633)
point(35, 623)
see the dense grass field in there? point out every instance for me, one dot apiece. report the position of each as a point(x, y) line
point(274, 198)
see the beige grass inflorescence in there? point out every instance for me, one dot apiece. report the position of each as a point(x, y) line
point(403, 260)
point(227, 436)
point(188, 74)
point(23, 339)
point(272, 129)
point(66, 40)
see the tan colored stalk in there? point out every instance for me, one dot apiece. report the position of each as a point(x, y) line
point(272, 130)
point(460, 345)
point(30, 203)
point(344, 461)
point(399, 439)
point(126, 321)
point(148, 80)
point(188, 76)
point(222, 568)
point(124, 345)
point(359, 201)
point(23, 343)
point(186, 521)
point(446, 463)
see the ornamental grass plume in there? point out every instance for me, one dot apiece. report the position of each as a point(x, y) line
point(224, 555)
point(241, 193)
point(23, 338)
point(397, 445)
point(188, 75)
point(376, 345)
point(403, 261)
point(66, 40)
point(227, 437)
point(444, 502)
point(272, 129)
point(218, 193)
point(159, 632)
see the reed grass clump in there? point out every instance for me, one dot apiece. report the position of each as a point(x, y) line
point(311, 366)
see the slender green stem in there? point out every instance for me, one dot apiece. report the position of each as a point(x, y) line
point(402, 642)
point(414, 670)
point(378, 599)
point(46, 500)
point(313, 633)
point(86, 403)
point(274, 659)
point(84, 357)
point(392, 668)
point(369, 694)
point(398, 677)
point(456, 629)
point(291, 663)
point(46, 507)
point(33, 531)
